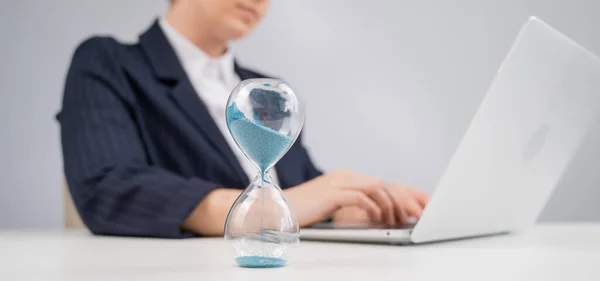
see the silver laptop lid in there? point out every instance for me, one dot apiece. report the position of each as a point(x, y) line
point(526, 131)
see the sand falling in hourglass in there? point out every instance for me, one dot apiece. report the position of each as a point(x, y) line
point(264, 117)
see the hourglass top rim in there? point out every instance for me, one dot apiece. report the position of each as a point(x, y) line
point(276, 85)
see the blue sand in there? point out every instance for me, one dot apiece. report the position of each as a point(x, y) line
point(234, 113)
point(262, 144)
point(260, 262)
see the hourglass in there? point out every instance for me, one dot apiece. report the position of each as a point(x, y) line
point(264, 117)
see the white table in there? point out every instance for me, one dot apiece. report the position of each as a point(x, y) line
point(545, 252)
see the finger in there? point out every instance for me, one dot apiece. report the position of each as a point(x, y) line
point(399, 211)
point(374, 188)
point(410, 204)
point(384, 201)
point(352, 214)
point(356, 198)
point(419, 195)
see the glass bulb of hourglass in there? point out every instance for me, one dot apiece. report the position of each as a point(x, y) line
point(264, 117)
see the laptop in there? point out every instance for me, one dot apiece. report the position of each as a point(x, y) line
point(535, 116)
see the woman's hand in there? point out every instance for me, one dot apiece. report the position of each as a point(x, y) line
point(342, 195)
point(409, 202)
point(320, 198)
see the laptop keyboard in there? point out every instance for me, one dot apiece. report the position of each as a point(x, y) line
point(328, 225)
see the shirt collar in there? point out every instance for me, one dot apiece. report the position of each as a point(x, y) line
point(192, 57)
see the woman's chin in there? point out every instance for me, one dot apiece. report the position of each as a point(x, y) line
point(238, 30)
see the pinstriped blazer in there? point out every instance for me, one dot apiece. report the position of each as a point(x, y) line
point(140, 148)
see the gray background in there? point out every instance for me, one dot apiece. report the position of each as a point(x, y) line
point(390, 85)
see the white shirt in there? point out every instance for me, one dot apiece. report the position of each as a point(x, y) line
point(213, 80)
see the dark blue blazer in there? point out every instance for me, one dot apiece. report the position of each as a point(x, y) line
point(140, 148)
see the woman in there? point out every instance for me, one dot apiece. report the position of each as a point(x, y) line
point(146, 148)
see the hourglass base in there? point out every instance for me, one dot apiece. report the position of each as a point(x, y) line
point(262, 226)
point(260, 262)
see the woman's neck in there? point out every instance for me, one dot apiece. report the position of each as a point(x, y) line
point(194, 30)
